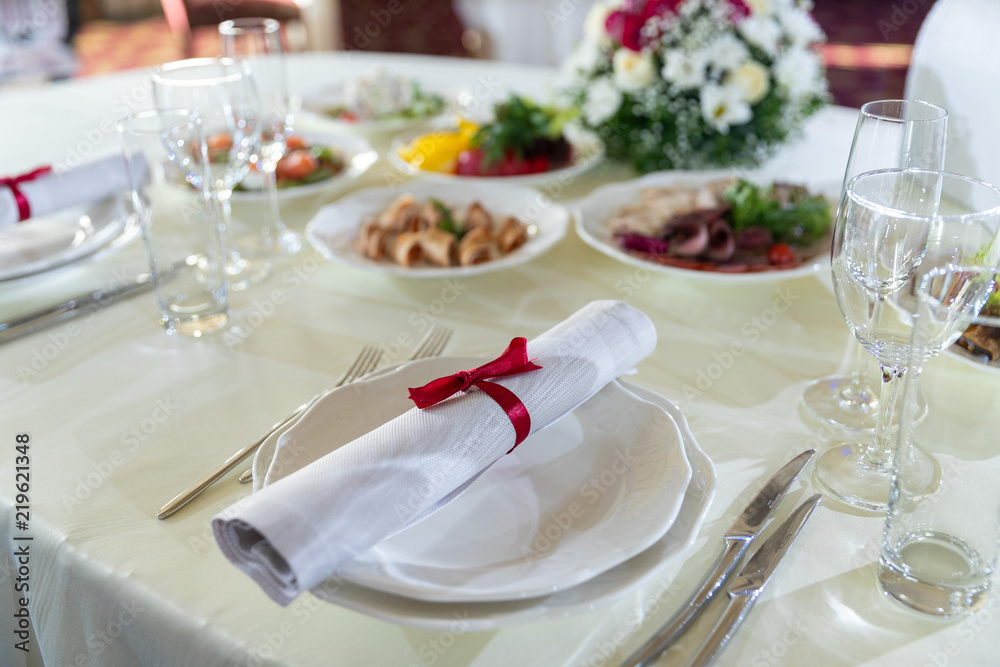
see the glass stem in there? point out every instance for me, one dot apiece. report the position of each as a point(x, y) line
point(274, 226)
point(857, 396)
point(878, 455)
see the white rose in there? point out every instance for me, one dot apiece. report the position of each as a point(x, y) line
point(633, 71)
point(753, 79)
point(597, 17)
point(583, 59)
point(603, 100)
point(797, 71)
point(762, 7)
point(762, 32)
point(726, 52)
point(723, 106)
point(684, 70)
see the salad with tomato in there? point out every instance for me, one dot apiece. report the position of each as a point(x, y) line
point(524, 138)
point(300, 164)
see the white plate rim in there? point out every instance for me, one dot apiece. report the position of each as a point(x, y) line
point(589, 146)
point(119, 230)
point(601, 590)
point(552, 222)
point(590, 228)
point(359, 158)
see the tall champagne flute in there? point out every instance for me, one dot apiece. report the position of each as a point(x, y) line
point(889, 134)
point(222, 92)
point(893, 227)
point(257, 42)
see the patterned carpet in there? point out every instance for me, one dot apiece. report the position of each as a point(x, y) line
point(863, 63)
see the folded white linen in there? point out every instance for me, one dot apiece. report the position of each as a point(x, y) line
point(55, 191)
point(298, 531)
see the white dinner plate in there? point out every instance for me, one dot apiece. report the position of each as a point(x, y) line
point(54, 240)
point(358, 154)
point(602, 589)
point(572, 501)
point(334, 228)
point(593, 212)
point(587, 152)
point(314, 105)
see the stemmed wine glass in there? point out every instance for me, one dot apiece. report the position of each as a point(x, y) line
point(222, 92)
point(889, 134)
point(893, 227)
point(257, 42)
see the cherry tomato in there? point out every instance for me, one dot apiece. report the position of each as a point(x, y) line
point(294, 142)
point(781, 254)
point(220, 142)
point(469, 162)
point(296, 165)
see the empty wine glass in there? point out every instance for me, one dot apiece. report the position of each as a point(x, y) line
point(893, 227)
point(257, 42)
point(222, 92)
point(889, 134)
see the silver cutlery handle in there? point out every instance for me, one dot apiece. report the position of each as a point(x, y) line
point(664, 639)
point(736, 611)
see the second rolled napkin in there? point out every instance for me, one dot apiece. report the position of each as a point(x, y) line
point(298, 531)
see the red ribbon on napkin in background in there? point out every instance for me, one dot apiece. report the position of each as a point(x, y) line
point(513, 361)
point(23, 207)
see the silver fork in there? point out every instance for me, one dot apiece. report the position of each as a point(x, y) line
point(432, 345)
point(366, 361)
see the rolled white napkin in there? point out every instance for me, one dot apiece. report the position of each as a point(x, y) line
point(55, 191)
point(298, 531)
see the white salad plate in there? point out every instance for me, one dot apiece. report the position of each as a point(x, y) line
point(593, 212)
point(334, 229)
point(452, 554)
point(358, 156)
point(588, 150)
point(57, 239)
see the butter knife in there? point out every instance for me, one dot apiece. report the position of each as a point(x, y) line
point(738, 539)
point(748, 584)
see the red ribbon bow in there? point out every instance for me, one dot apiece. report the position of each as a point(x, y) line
point(23, 207)
point(513, 361)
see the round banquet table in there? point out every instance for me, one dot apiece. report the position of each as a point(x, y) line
point(122, 417)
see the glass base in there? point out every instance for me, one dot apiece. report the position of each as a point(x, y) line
point(245, 271)
point(197, 325)
point(844, 473)
point(831, 401)
point(266, 244)
point(935, 574)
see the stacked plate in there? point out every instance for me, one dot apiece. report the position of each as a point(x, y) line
point(577, 516)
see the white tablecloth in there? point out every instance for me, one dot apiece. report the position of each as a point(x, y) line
point(121, 418)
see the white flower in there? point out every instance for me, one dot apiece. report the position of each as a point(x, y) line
point(684, 70)
point(798, 71)
point(603, 100)
point(597, 17)
point(633, 71)
point(583, 59)
point(723, 106)
point(727, 52)
point(762, 32)
point(762, 7)
point(753, 79)
point(800, 26)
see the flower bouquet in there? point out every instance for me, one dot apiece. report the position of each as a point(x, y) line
point(695, 84)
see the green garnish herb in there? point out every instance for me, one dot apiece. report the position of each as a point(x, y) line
point(519, 122)
point(447, 222)
point(791, 214)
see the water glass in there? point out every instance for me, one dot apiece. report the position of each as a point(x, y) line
point(941, 538)
point(170, 181)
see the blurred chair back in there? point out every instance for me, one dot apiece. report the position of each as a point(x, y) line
point(183, 16)
point(956, 64)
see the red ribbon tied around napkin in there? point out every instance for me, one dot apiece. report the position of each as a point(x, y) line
point(23, 207)
point(513, 361)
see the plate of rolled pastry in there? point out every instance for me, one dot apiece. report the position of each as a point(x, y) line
point(433, 230)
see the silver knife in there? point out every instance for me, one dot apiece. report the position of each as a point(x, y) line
point(738, 538)
point(89, 301)
point(749, 583)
